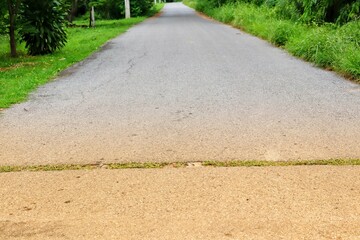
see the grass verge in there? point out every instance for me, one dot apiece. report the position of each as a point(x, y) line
point(145, 165)
point(329, 46)
point(156, 9)
point(332, 162)
point(45, 168)
point(19, 76)
point(160, 165)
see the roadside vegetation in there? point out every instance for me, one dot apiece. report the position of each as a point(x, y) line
point(32, 65)
point(324, 32)
point(160, 165)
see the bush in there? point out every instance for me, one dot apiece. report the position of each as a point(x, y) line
point(43, 26)
point(289, 9)
point(137, 7)
point(282, 32)
point(349, 58)
point(202, 6)
point(319, 45)
point(349, 62)
point(350, 32)
point(256, 20)
point(350, 12)
point(225, 13)
point(109, 9)
point(140, 8)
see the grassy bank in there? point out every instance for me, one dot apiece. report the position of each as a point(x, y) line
point(329, 46)
point(19, 76)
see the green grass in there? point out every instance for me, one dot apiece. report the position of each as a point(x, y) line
point(332, 162)
point(329, 46)
point(156, 9)
point(145, 165)
point(19, 76)
point(66, 167)
point(45, 168)
point(160, 165)
point(190, 3)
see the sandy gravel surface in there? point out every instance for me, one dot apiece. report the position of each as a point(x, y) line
point(183, 88)
point(315, 202)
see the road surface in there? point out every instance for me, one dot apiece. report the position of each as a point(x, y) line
point(180, 87)
point(308, 202)
point(183, 88)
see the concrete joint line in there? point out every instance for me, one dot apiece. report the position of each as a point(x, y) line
point(160, 165)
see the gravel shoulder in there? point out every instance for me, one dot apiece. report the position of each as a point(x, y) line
point(313, 202)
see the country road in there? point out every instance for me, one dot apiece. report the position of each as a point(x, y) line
point(180, 87)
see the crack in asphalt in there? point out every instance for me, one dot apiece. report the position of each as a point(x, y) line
point(131, 62)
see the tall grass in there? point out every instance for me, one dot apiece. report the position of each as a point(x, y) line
point(330, 46)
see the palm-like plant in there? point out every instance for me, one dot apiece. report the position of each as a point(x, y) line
point(43, 26)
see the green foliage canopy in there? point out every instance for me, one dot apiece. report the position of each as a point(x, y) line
point(111, 9)
point(3, 17)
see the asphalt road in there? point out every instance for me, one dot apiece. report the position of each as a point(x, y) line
point(180, 87)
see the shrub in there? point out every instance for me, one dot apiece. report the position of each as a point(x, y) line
point(43, 26)
point(350, 12)
point(289, 9)
point(319, 45)
point(350, 61)
point(256, 20)
point(225, 13)
point(350, 32)
point(202, 6)
point(284, 30)
point(140, 8)
point(349, 58)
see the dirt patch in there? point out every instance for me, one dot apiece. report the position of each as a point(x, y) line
point(307, 202)
point(29, 229)
point(17, 65)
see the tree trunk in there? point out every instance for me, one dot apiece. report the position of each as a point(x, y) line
point(12, 14)
point(127, 9)
point(92, 17)
point(73, 11)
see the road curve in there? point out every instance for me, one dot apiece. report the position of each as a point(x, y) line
point(180, 87)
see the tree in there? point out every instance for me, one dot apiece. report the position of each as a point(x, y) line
point(43, 26)
point(73, 10)
point(13, 7)
point(92, 5)
point(3, 16)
